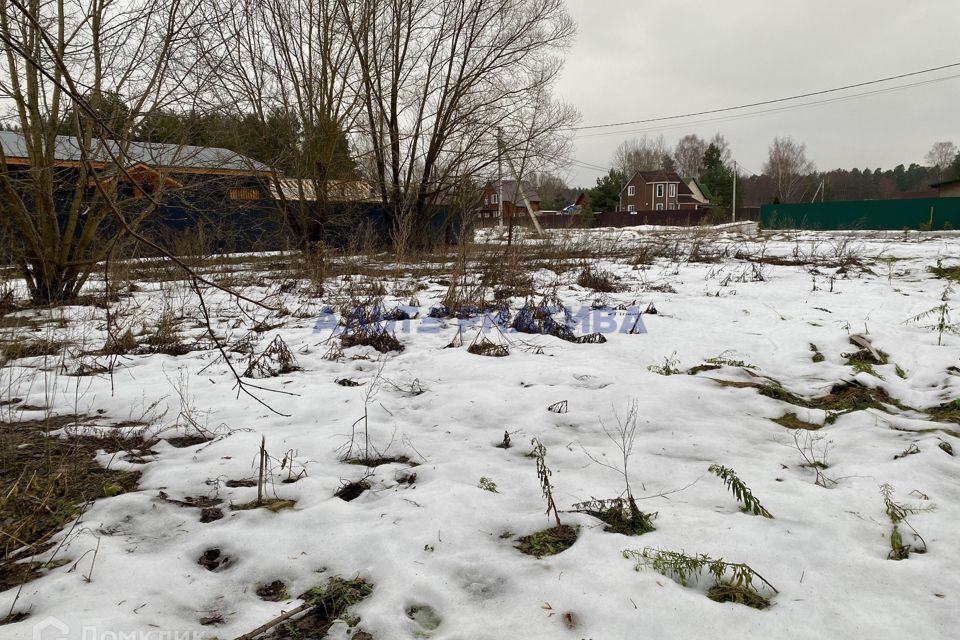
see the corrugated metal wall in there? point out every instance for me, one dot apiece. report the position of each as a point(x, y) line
point(912, 213)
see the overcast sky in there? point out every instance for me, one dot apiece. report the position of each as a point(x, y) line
point(636, 59)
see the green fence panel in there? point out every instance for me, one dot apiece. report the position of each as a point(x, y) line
point(909, 213)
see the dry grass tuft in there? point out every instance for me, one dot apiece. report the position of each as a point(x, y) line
point(548, 542)
point(600, 281)
point(47, 481)
point(30, 348)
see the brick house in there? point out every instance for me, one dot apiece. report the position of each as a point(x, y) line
point(512, 199)
point(656, 191)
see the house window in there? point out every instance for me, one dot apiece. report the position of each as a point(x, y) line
point(673, 205)
point(631, 190)
point(486, 200)
point(632, 208)
point(660, 190)
point(244, 193)
point(660, 204)
point(494, 199)
point(673, 190)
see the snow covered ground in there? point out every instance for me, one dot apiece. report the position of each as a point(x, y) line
point(440, 550)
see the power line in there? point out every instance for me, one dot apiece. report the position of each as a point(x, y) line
point(765, 102)
point(740, 165)
point(741, 116)
point(587, 165)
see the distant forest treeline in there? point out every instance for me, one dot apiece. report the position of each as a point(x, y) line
point(787, 175)
point(852, 184)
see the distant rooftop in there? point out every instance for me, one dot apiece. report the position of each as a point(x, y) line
point(942, 183)
point(154, 154)
point(512, 193)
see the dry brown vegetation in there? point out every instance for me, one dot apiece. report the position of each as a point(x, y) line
point(47, 480)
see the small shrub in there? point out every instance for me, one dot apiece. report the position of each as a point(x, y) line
point(600, 281)
point(543, 474)
point(740, 491)
point(813, 449)
point(488, 485)
point(898, 513)
point(669, 366)
point(621, 515)
point(275, 360)
point(733, 582)
point(941, 315)
point(368, 325)
point(378, 338)
point(548, 542)
point(483, 346)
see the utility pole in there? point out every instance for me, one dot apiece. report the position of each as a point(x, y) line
point(733, 205)
point(500, 174)
point(526, 201)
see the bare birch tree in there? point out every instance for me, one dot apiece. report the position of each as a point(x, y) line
point(788, 166)
point(688, 155)
point(641, 154)
point(940, 156)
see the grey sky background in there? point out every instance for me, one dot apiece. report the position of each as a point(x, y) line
point(636, 59)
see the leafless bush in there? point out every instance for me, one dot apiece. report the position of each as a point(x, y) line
point(598, 280)
point(813, 449)
point(483, 346)
point(275, 360)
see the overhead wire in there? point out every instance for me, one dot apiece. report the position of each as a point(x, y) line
point(761, 112)
point(766, 102)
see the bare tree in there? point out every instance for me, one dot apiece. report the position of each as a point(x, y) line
point(723, 145)
point(288, 64)
point(941, 156)
point(436, 79)
point(90, 70)
point(787, 165)
point(688, 155)
point(553, 190)
point(642, 154)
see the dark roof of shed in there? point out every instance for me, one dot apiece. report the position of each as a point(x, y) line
point(154, 154)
